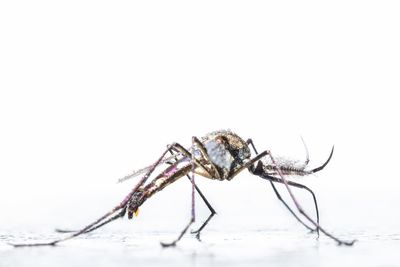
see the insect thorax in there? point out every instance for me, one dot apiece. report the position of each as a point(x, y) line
point(227, 151)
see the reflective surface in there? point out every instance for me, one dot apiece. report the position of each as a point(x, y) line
point(280, 247)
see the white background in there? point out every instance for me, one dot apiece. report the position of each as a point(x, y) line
point(91, 90)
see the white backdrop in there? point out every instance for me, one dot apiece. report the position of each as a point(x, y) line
point(90, 90)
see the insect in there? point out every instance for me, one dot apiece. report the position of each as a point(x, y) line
point(219, 155)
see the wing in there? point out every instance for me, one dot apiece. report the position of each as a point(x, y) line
point(145, 169)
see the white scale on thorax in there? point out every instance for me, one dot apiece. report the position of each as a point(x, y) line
point(218, 154)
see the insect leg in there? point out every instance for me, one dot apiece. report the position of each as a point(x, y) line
point(120, 206)
point(203, 150)
point(259, 171)
point(212, 210)
point(118, 215)
point(193, 214)
point(326, 162)
point(213, 172)
point(278, 195)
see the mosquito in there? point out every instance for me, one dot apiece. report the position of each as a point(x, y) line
point(219, 155)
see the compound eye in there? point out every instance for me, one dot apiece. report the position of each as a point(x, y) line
point(219, 154)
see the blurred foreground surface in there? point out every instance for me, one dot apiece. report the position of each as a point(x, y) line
point(279, 247)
